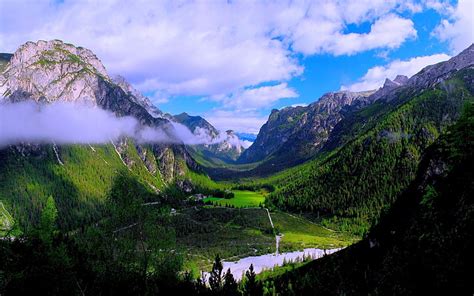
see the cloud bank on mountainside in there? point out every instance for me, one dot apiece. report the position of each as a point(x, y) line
point(69, 123)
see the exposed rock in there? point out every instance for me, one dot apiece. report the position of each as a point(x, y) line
point(137, 97)
point(300, 131)
point(436, 73)
point(54, 71)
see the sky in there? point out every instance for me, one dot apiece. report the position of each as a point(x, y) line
point(232, 62)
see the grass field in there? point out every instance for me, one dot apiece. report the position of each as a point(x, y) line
point(241, 199)
point(233, 233)
point(6, 220)
point(202, 233)
point(299, 233)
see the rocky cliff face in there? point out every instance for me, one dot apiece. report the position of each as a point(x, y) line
point(48, 71)
point(434, 74)
point(300, 131)
point(54, 71)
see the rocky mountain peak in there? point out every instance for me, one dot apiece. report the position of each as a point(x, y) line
point(401, 79)
point(137, 97)
point(52, 71)
point(436, 73)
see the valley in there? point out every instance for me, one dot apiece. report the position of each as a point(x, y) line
point(165, 202)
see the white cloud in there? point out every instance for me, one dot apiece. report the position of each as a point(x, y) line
point(458, 29)
point(258, 97)
point(244, 122)
point(375, 76)
point(299, 105)
point(218, 49)
point(206, 47)
point(69, 123)
point(389, 31)
point(246, 144)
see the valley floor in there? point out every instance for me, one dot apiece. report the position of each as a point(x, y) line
point(234, 233)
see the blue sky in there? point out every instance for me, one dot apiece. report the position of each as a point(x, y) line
point(233, 61)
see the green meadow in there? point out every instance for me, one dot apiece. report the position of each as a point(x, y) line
point(241, 199)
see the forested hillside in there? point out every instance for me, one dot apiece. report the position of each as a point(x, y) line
point(422, 245)
point(357, 182)
point(80, 177)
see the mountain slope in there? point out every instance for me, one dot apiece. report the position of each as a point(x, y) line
point(382, 145)
point(296, 133)
point(79, 176)
point(421, 246)
point(220, 147)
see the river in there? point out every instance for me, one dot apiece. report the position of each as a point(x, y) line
point(268, 261)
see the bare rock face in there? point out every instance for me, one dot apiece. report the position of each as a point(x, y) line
point(137, 97)
point(49, 71)
point(434, 74)
point(298, 132)
point(54, 71)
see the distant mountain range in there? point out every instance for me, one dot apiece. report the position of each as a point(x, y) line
point(222, 147)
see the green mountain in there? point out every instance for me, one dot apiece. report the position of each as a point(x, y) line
point(80, 176)
point(295, 134)
point(373, 152)
point(422, 245)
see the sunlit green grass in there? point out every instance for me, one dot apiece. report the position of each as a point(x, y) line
point(300, 233)
point(241, 199)
point(6, 220)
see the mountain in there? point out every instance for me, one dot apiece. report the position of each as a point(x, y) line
point(294, 134)
point(422, 245)
point(221, 147)
point(4, 59)
point(80, 176)
point(373, 152)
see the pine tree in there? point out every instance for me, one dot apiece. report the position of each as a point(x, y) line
point(251, 288)
point(230, 285)
point(48, 218)
point(215, 279)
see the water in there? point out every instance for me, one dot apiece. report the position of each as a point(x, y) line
point(269, 261)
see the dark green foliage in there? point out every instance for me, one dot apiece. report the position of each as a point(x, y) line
point(47, 227)
point(215, 278)
point(354, 184)
point(230, 287)
point(422, 245)
point(250, 284)
point(126, 253)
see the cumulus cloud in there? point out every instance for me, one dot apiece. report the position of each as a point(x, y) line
point(246, 122)
point(68, 123)
point(458, 27)
point(258, 97)
point(219, 49)
point(375, 76)
point(389, 31)
point(206, 47)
